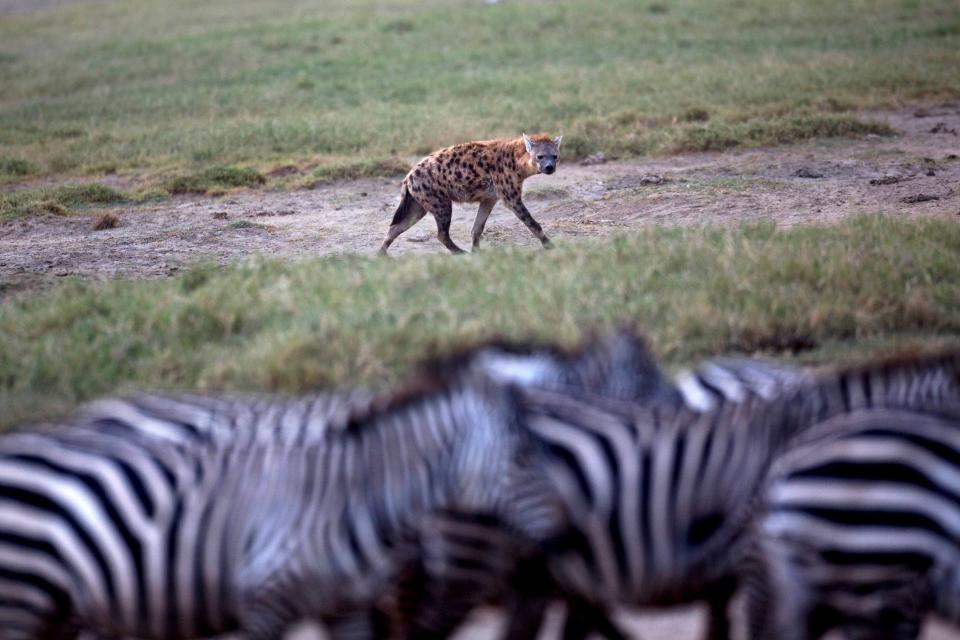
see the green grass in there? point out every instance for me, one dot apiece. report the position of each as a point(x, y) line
point(865, 284)
point(148, 87)
point(15, 167)
point(59, 200)
point(214, 178)
point(351, 169)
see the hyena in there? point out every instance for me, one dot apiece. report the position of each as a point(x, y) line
point(484, 172)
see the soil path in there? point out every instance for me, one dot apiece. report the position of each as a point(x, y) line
point(916, 172)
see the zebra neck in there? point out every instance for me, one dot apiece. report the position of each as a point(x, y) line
point(401, 462)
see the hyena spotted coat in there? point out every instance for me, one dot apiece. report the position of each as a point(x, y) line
point(482, 171)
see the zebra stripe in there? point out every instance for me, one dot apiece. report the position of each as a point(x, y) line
point(661, 499)
point(138, 534)
point(863, 517)
point(617, 364)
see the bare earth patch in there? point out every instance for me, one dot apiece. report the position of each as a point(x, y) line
point(914, 173)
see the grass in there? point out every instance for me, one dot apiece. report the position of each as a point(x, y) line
point(214, 178)
point(147, 87)
point(58, 200)
point(352, 169)
point(247, 224)
point(808, 292)
point(106, 220)
point(15, 167)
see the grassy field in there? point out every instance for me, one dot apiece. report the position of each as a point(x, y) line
point(172, 90)
point(811, 292)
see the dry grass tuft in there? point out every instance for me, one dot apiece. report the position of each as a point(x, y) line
point(107, 220)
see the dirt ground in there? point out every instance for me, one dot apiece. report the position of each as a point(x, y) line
point(916, 172)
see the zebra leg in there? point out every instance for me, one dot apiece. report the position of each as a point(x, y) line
point(777, 602)
point(14, 631)
point(586, 618)
point(524, 616)
point(266, 614)
point(893, 622)
point(718, 606)
point(528, 598)
point(358, 625)
point(29, 619)
point(466, 559)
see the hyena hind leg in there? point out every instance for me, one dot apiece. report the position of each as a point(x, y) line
point(412, 215)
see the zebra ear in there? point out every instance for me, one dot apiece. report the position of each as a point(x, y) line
point(528, 143)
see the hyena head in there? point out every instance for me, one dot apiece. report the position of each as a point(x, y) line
point(543, 151)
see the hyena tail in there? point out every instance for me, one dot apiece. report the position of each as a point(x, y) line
point(406, 203)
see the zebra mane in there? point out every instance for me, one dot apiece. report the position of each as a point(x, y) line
point(424, 384)
point(440, 373)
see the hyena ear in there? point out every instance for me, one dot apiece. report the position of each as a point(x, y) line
point(528, 143)
point(557, 140)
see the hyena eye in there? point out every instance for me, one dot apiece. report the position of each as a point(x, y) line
point(540, 157)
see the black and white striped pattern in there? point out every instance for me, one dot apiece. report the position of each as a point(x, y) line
point(862, 528)
point(132, 534)
point(178, 424)
point(661, 499)
point(617, 364)
point(718, 381)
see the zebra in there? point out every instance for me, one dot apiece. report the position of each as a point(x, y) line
point(662, 499)
point(624, 370)
point(610, 364)
point(702, 388)
point(861, 528)
point(126, 532)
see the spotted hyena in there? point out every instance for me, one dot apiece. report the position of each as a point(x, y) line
point(481, 172)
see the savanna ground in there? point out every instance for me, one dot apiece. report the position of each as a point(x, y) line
point(752, 176)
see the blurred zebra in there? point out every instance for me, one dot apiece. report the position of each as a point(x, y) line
point(616, 365)
point(662, 499)
point(183, 422)
point(129, 532)
point(862, 528)
point(726, 380)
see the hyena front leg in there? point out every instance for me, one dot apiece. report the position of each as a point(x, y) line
point(511, 197)
point(486, 206)
point(443, 212)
